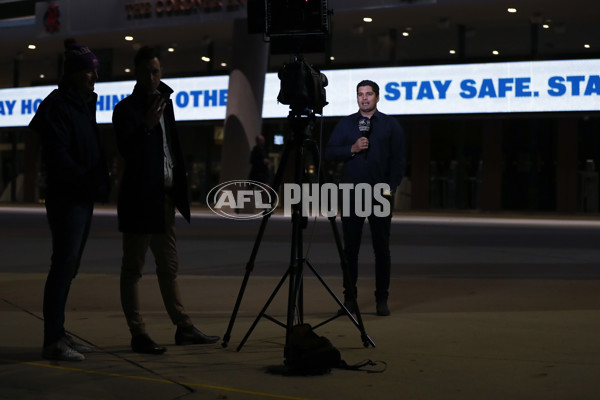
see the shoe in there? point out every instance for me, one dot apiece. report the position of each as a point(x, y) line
point(79, 347)
point(60, 351)
point(382, 308)
point(350, 305)
point(190, 335)
point(143, 344)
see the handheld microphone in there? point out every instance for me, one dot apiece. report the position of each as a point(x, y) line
point(364, 126)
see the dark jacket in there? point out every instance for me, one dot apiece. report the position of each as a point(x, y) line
point(142, 188)
point(71, 150)
point(385, 159)
point(260, 170)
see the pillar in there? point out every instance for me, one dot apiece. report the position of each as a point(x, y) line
point(243, 120)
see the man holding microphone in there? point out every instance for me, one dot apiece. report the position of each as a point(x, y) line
point(372, 146)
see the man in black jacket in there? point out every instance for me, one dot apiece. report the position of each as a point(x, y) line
point(76, 177)
point(371, 145)
point(154, 183)
point(259, 161)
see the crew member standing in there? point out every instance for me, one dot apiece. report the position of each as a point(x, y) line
point(371, 144)
point(76, 178)
point(259, 160)
point(153, 185)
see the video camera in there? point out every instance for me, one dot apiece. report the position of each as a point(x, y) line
point(302, 87)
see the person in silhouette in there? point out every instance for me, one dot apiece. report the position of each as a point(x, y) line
point(153, 185)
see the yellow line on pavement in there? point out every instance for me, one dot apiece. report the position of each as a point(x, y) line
point(158, 380)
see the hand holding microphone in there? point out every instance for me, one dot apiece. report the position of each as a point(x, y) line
point(364, 126)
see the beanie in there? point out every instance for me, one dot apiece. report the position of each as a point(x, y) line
point(78, 57)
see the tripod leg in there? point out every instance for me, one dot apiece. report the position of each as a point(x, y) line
point(249, 268)
point(357, 322)
point(296, 249)
point(264, 310)
point(345, 275)
point(295, 306)
point(250, 264)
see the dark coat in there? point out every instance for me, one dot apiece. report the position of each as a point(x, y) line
point(383, 162)
point(71, 149)
point(260, 170)
point(142, 188)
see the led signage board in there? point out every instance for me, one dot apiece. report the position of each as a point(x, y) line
point(194, 99)
point(515, 87)
point(542, 86)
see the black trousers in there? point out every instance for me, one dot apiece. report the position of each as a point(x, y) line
point(352, 226)
point(69, 222)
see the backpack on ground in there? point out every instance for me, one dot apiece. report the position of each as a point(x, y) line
point(311, 354)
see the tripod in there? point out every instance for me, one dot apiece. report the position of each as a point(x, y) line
point(302, 124)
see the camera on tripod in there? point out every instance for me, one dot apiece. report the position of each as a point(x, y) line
point(302, 87)
point(296, 26)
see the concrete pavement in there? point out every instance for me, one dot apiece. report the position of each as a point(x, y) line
point(477, 313)
point(445, 339)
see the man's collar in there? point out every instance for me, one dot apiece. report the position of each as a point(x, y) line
point(359, 114)
point(162, 88)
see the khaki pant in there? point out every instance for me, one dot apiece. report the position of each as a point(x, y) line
point(164, 249)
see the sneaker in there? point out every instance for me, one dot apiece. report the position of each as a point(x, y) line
point(60, 351)
point(79, 347)
point(382, 308)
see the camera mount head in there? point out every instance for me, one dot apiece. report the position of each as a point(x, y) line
point(302, 87)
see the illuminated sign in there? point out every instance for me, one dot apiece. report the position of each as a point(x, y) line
point(194, 99)
point(541, 86)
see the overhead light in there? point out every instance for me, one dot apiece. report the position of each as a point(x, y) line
point(129, 38)
point(205, 59)
point(332, 58)
point(368, 19)
point(545, 26)
point(223, 64)
point(127, 70)
point(31, 47)
point(171, 50)
point(405, 33)
point(452, 52)
point(512, 10)
point(42, 76)
point(587, 46)
point(495, 52)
